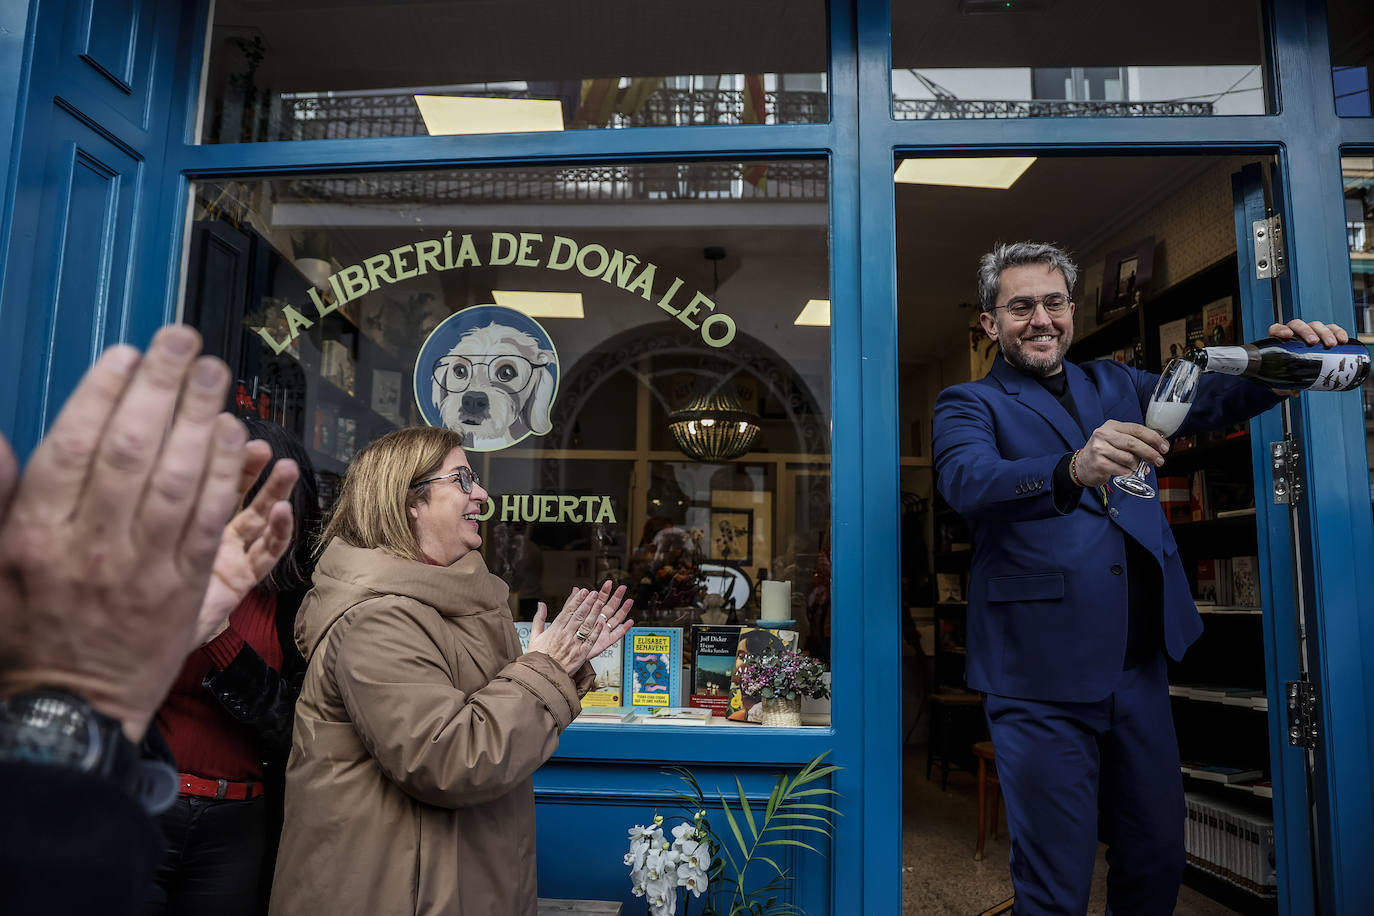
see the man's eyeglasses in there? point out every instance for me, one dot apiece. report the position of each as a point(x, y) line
point(1023, 307)
point(467, 479)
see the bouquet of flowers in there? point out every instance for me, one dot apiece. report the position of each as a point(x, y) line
point(783, 675)
point(694, 862)
point(665, 572)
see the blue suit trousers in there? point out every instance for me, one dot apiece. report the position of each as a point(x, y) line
point(1072, 773)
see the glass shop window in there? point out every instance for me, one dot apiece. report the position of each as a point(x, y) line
point(1357, 174)
point(1351, 24)
point(1076, 58)
point(299, 70)
point(638, 356)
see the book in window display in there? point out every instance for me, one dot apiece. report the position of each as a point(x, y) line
point(755, 642)
point(713, 650)
point(606, 690)
point(653, 667)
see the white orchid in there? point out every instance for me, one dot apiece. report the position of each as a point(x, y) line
point(692, 878)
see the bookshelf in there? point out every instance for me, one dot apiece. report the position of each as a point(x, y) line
point(951, 558)
point(326, 385)
point(1217, 691)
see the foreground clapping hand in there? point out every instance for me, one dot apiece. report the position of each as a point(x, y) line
point(108, 539)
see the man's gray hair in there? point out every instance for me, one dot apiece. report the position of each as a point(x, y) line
point(1016, 254)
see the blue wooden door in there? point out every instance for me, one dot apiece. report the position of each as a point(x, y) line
point(80, 240)
point(1285, 605)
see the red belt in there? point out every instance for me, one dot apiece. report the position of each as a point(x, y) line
point(217, 788)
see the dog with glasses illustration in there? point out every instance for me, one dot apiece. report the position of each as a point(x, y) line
point(495, 387)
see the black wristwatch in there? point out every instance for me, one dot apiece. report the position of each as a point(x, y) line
point(51, 727)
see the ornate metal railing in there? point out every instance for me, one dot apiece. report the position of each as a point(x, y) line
point(800, 180)
point(334, 117)
point(919, 109)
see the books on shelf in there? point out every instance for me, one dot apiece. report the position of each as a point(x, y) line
point(1214, 773)
point(1174, 498)
point(1249, 699)
point(1218, 326)
point(1214, 581)
point(1195, 331)
point(1245, 581)
point(675, 715)
point(1230, 841)
point(609, 667)
point(1173, 340)
point(606, 714)
point(652, 673)
point(1198, 507)
point(336, 366)
point(755, 642)
point(949, 587)
point(713, 651)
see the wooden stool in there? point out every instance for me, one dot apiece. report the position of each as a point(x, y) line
point(987, 760)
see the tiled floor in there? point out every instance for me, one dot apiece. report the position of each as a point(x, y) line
point(939, 875)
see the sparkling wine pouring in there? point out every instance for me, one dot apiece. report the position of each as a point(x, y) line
point(1169, 406)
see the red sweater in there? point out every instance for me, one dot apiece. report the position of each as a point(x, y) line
point(206, 741)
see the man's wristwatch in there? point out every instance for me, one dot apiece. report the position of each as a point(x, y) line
point(52, 727)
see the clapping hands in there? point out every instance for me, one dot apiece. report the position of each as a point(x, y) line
point(589, 623)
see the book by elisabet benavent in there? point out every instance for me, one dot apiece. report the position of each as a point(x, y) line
point(713, 650)
point(653, 667)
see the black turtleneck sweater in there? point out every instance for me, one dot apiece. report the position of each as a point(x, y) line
point(1144, 638)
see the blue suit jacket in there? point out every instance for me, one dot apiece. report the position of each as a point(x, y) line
point(1047, 598)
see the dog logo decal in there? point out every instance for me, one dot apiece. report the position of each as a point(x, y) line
point(490, 373)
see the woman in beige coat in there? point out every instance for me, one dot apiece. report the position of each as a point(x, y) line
point(420, 723)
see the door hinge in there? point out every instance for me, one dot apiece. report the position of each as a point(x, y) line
point(1267, 235)
point(1287, 479)
point(1302, 713)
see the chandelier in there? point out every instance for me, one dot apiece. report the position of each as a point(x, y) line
point(714, 426)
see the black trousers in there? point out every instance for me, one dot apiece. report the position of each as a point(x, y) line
point(214, 857)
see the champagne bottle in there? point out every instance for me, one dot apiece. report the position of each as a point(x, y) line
point(1289, 363)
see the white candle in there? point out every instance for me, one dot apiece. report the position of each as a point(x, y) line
point(776, 603)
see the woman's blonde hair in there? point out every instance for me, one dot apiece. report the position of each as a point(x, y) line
point(379, 487)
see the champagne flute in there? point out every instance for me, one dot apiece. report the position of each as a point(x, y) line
point(1169, 405)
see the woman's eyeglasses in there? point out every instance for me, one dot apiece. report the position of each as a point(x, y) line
point(467, 479)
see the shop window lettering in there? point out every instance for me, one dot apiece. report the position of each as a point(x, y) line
point(548, 507)
point(524, 249)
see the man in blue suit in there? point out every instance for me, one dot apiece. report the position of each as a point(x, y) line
point(1076, 591)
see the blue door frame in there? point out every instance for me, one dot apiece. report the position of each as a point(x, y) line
point(860, 142)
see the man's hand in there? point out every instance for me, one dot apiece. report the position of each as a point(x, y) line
point(1117, 448)
point(1310, 332)
point(253, 542)
point(107, 541)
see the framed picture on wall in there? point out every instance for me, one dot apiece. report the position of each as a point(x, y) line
point(1125, 278)
point(732, 535)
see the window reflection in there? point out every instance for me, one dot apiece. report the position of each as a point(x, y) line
point(558, 317)
point(1351, 23)
point(305, 70)
point(1076, 58)
point(1357, 173)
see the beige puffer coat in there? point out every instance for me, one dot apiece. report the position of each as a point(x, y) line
point(419, 725)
